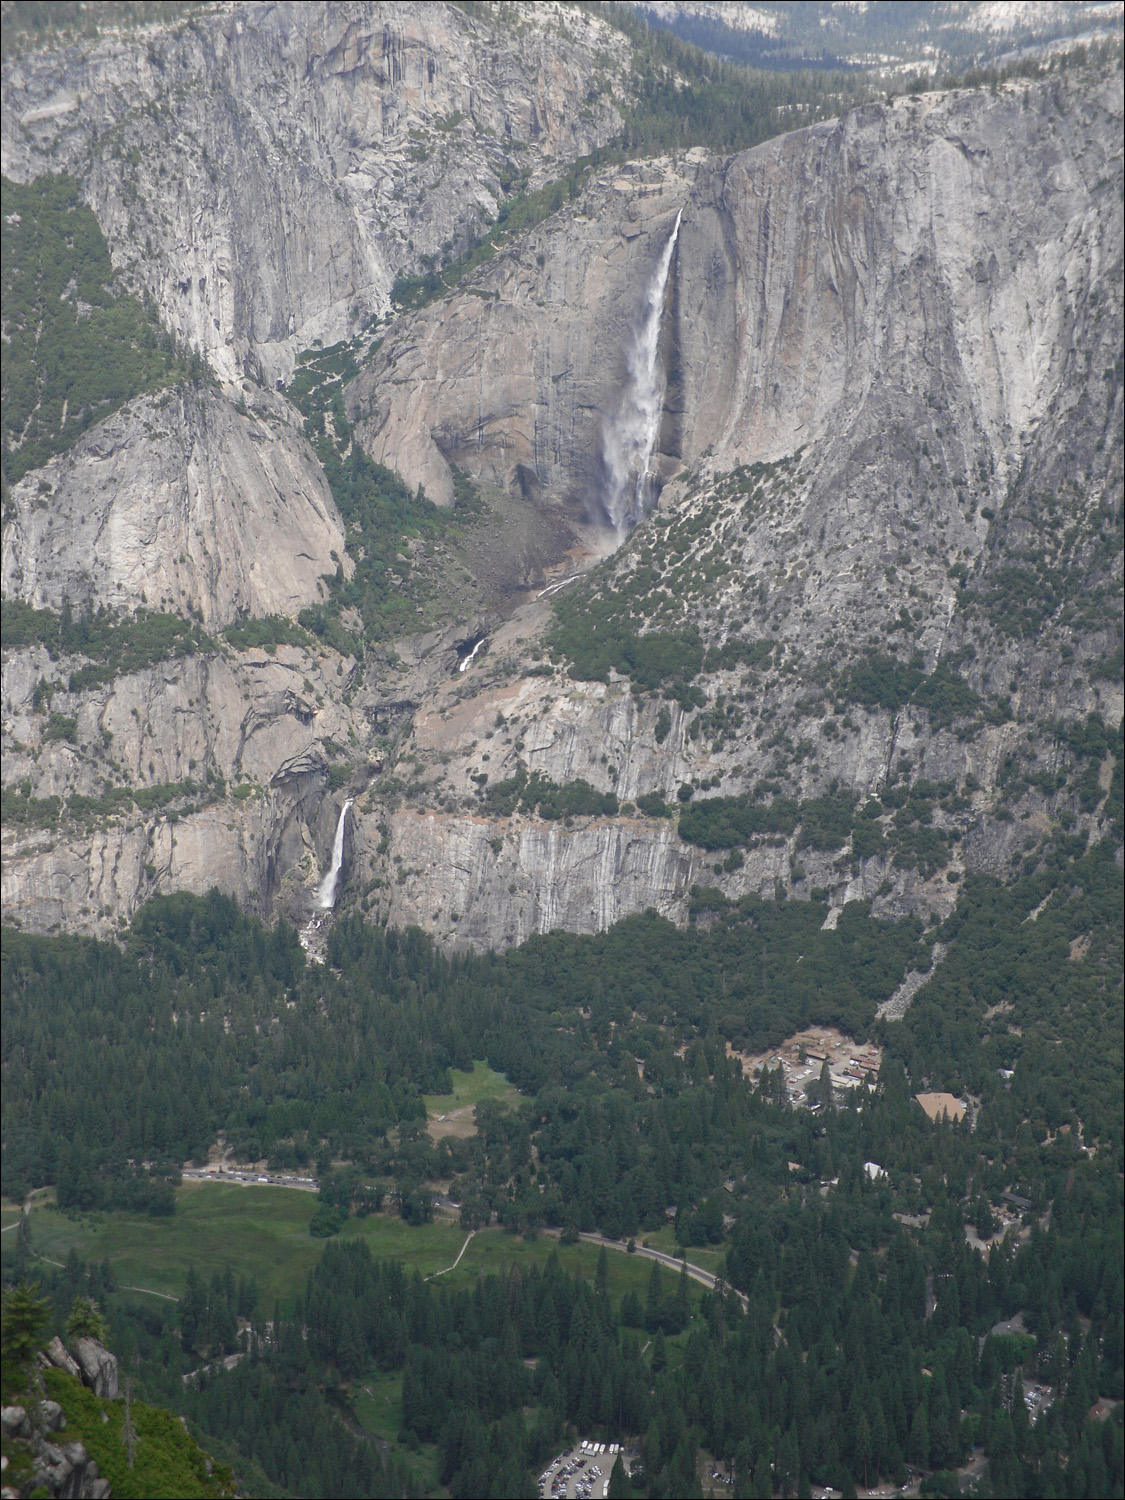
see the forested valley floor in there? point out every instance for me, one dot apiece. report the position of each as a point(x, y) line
point(865, 1238)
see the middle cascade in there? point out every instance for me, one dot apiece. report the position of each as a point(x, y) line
point(629, 440)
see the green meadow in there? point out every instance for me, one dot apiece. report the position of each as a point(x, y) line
point(473, 1087)
point(262, 1232)
point(376, 1402)
point(713, 1260)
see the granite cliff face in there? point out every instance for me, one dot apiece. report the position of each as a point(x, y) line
point(265, 171)
point(514, 380)
point(923, 303)
point(182, 502)
point(891, 433)
point(228, 754)
point(934, 257)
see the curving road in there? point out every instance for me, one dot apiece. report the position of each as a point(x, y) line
point(673, 1263)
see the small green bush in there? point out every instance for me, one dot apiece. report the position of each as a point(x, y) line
point(653, 805)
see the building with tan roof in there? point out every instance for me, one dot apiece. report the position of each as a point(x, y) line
point(937, 1105)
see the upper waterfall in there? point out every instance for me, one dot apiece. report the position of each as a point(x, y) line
point(628, 441)
point(326, 890)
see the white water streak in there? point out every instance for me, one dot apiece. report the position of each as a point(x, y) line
point(629, 440)
point(326, 890)
point(467, 661)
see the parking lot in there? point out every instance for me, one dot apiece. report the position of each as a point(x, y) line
point(580, 1473)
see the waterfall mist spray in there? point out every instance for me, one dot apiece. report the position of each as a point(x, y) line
point(629, 441)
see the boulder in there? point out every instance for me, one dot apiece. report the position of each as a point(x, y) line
point(51, 1416)
point(70, 1473)
point(57, 1354)
point(98, 1368)
point(14, 1420)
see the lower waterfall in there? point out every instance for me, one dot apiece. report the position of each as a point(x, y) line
point(326, 890)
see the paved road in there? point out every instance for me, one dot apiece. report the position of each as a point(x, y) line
point(252, 1179)
point(673, 1262)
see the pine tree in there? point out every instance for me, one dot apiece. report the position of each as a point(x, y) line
point(653, 1299)
point(619, 1487)
point(127, 1428)
point(863, 1446)
point(761, 1487)
point(788, 1461)
point(22, 1319)
point(1004, 1477)
point(85, 1321)
point(193, 1312)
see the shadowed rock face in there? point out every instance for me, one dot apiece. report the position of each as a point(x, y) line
point(98, 1366)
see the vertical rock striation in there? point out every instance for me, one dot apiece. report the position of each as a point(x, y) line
point(265, 171)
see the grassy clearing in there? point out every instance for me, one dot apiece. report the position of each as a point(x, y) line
point(713, 1260)
point(377, 1399)
point(470, 1089)
point(493, 1252)
point(377, 1404)
point(452, 1114)
point(262, 1232)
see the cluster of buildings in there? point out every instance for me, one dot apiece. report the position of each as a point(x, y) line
point(802, 1057)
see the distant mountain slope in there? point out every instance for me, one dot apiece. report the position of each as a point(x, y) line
point(918, 34)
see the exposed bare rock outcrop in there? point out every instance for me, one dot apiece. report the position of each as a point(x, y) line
point(69, 1473)
point(60, 1356)
point(514, 381)
point(931, 257)
point(265, 171)
point(182, 502)
point(243, 742)
point(582, 880)
point(98, 1366)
